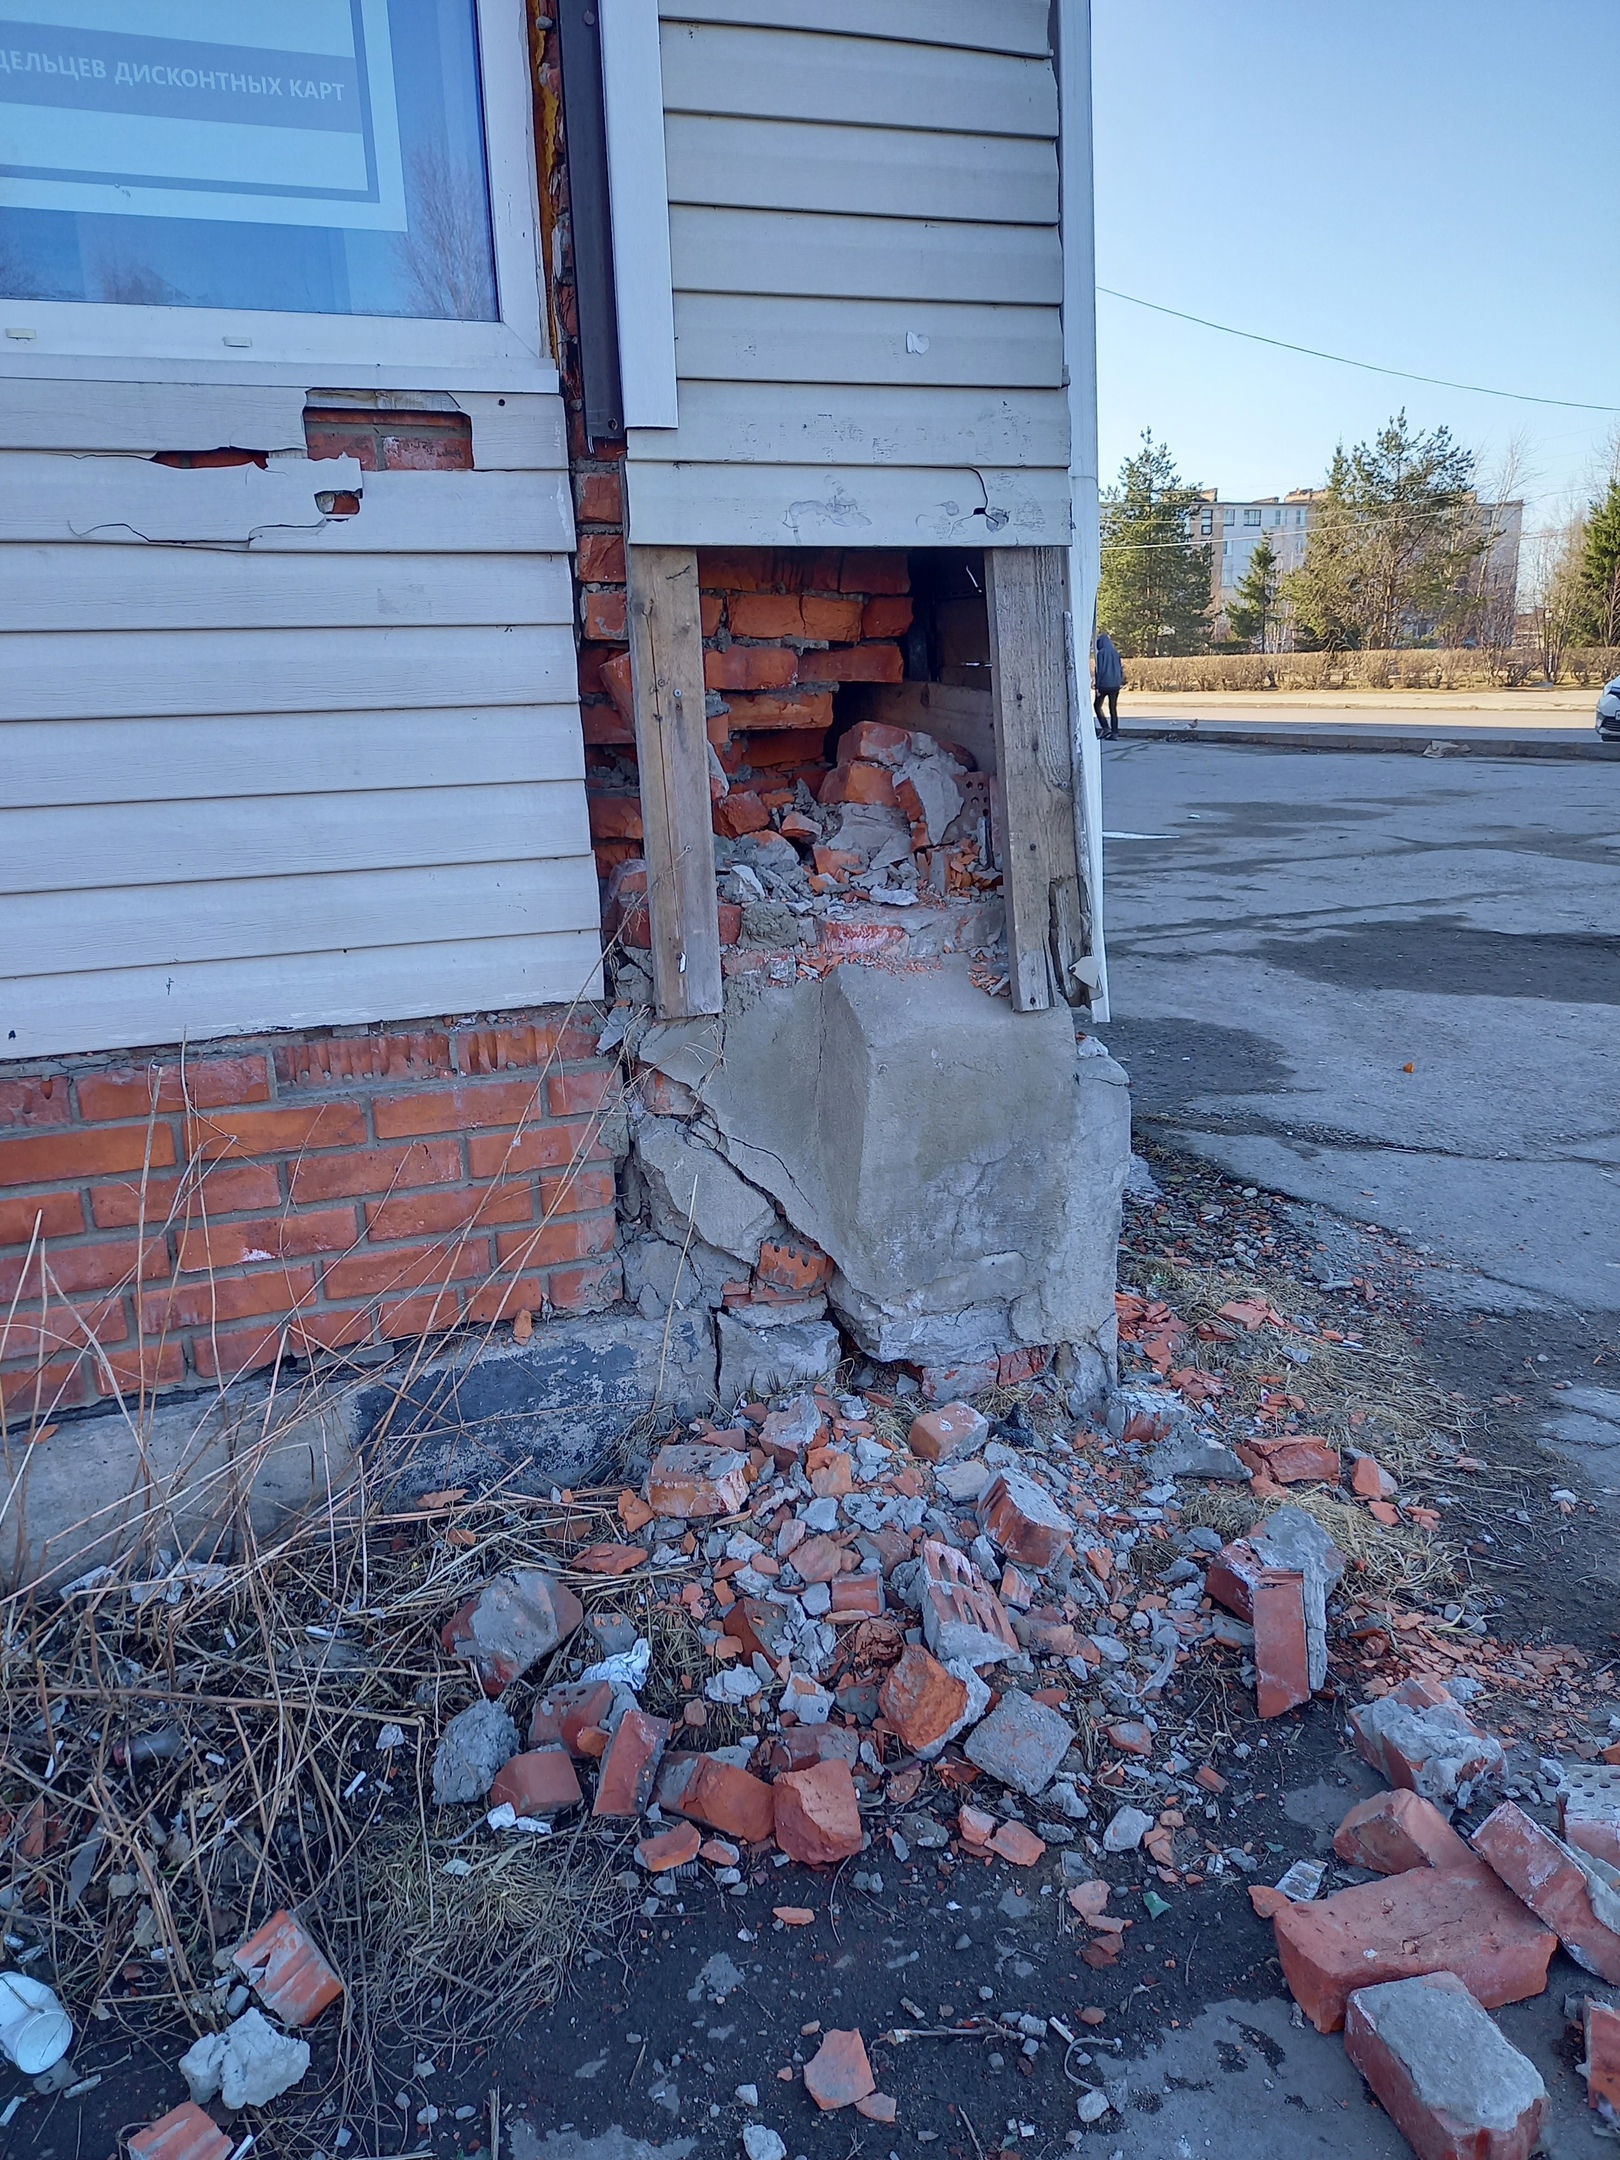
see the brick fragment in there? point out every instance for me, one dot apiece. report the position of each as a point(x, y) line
point(1022, 1519)
point(1458, 1920)
point(691, 1478)
point(856, 1597)
point(286, 1971)
point(1454, 2087)
point(1589, 1809)
point(1394, 1831)
point(1292, 1458)
point(788, 1434)
point(541, 1782)
point(818, 1559)
point(672, 1849)
point(517, 1618)
point(185, 2133)
point(818, 1820)
point(839, 2075)
point(724, 1798)
point(1369, 1479)
point(1601, 2068)
point(1574, 1894)
point(858, 783)
point(566, 1710)
point(939, 1435)
point(961, 1615)
point(1014, 1842)
point(921, 1701)
point(1281, 1653)
point(630, 1766)
point(760, 1626)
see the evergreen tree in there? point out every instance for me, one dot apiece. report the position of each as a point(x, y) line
point(1252, 616)
point(1393, 537)
point(1154, 595)
point(1600, 569)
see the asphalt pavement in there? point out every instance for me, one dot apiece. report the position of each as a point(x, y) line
point(1388, 985)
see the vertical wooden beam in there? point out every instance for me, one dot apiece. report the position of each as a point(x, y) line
point(672, 753)
point(1048, 931)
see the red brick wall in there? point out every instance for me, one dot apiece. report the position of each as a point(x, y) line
point(359, 1188)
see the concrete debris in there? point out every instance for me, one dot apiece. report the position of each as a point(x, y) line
point(760, 2143)
point(1435, 1749)
point(513, 1622)
point(1453, 2086)
point(248, 2065)
point(473, 1748)
point(1021, 1742)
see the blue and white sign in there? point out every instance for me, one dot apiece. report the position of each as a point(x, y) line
point(255, 111)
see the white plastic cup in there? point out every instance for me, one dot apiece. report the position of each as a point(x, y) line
point(35, 2031)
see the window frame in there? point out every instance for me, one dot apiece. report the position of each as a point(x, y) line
point(90, 339)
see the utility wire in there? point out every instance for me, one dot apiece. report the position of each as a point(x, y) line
point(1370, 367)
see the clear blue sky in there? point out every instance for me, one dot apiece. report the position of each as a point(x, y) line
point(1431, 184)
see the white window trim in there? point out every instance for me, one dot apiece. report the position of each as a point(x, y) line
point(91, 340)
point(638, 200)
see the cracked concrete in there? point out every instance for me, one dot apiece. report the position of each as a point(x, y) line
point(1384, 991)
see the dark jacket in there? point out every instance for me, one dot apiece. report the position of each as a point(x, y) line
point(1110, 673)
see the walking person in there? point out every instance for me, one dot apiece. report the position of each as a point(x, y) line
point(1108, 679)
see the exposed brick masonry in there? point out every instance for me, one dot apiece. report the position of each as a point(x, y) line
point(298, 1195)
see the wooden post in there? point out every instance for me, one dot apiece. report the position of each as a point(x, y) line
point(1048, 926)
point(672, 754)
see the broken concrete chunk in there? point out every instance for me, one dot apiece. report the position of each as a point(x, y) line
point(1589, 1809)
point(788, 1434)
point(1021, 1742)
point(762, 1360)
point(248, 2065)
point(951, 1430)
point(693, 1479)
point(1023, 1519)
point(473, 1747)
point(1452, 2085)
point(818, 1820)
point(1191, 1454)
point(692, 1190)
point(1436, 1751)
point(1394, 1831)
point(1129, 1826)
point(516, 1619)
point(1458, 1920)
point(761, 2143)
point(1575, 1895)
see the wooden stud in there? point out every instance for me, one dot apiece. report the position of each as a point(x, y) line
point(1048, 926)
point(672, 753)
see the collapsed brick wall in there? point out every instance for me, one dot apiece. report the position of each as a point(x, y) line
point(165, 1221)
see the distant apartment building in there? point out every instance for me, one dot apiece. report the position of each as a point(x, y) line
point(1233, 530)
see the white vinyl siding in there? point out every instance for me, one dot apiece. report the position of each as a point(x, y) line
point(867, 274)
point(263, 769)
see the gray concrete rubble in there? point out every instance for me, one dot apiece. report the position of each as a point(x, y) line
point(248, 2065)
point(473, 1749)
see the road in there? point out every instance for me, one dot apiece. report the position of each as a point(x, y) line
point(1388, 985)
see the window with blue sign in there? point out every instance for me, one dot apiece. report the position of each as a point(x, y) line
point(305, 157)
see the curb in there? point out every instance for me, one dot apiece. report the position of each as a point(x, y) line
point(1413, 745)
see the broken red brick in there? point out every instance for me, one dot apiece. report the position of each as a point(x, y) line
point(975, 1826)
point(818, 1559)
point(788, 1434)
point(542, 1782)
point(1453, 2086)
point(515, 1619)
point(1209, 1778)
point(1131, 1737)
point(286, 1971)
point(874, 741)
point(838, 2074)
point(793, 1915)
point(760, 1626)
point(856, 1597)
point(1432, 1748)
point(634, 1512)
point(1557, 1883)
point(1267, 1900)
point(1231, 1576)
point(921, 1702)
point(1394, 1831)
point(1014, 1842)
point(631, 1764)
point(1021, 1518)
point(1601, 2068)
point(818, 1820)
point(727, 1799)
point(1292, 1458)
point(1370, 1479)
point(567, 1710)
point(185, 2133)
point(939, 1435)
point(961, 1615)
point(671, 1849)
point(794, 1264)
point(1281, 1651)
point(1014, 1590)
point(694, 1479)
point(1457, 1920)
point(878, 2107)
point(858, 783)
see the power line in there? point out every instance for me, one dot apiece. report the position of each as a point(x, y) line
point(1370, 367)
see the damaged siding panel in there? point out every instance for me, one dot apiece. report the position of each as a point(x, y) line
point(142, 417)
point(888, 171)
point(1005, 26)
point(867, 81)
point(85, 586)
point(208, 755)
point(861, 424)
point(865, 258)
point(118, 1008)
point(149, 674)
point(742, 505)
point(736, 337)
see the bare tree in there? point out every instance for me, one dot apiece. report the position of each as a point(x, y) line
point(446, 253)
